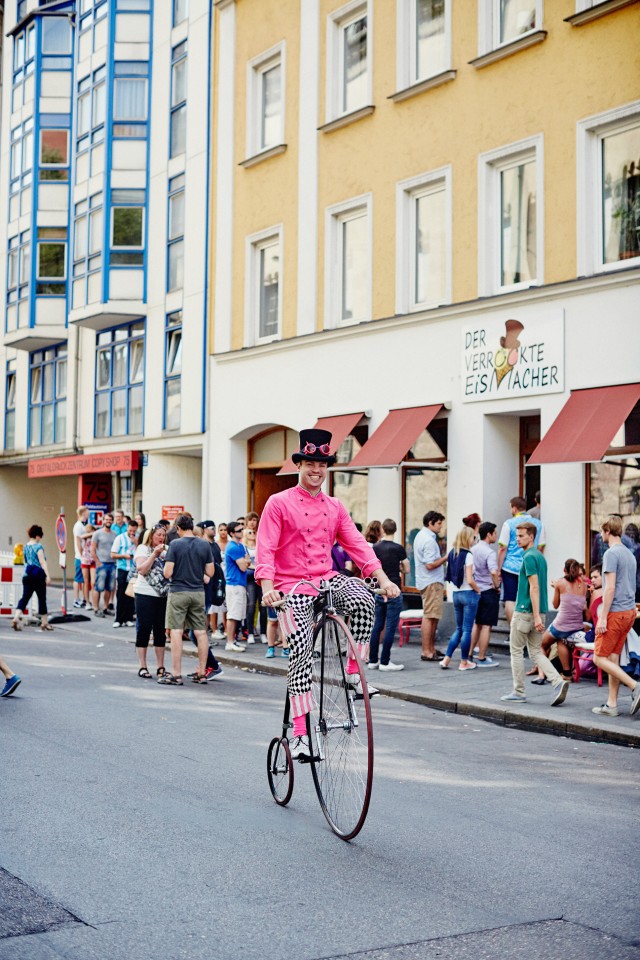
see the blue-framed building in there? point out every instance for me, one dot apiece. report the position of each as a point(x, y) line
point(104, 178)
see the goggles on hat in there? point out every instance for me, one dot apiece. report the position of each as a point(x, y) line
point(311, 448)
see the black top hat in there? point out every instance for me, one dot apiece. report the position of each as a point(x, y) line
point(310, 443)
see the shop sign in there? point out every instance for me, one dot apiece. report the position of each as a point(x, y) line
point(513, 358)
point(170, 513)
point(84, 463)
point(96, 513)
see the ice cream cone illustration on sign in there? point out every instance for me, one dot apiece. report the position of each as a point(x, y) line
point(506, 356)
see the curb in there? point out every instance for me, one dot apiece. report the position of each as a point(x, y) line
point(499, 715)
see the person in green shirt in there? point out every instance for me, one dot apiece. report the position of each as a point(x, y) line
point(527, 624)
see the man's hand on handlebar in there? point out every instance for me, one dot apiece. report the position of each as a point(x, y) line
point(386, 588)
point(270, 597)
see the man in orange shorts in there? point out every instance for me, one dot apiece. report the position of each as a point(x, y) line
point(617, 614)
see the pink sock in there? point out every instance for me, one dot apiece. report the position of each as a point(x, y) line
point(300, 725)
point(352, 666)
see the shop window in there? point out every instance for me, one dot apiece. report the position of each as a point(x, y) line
point(424, 486)
point(351, 487)
point(173, 371)
point(48, 396)
point(10, 406)
point(119, 381)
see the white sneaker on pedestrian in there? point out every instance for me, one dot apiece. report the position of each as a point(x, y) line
point(264, 638)
point(391, 666)
point(251, 638)
point(300, 747)
point(220, 635)
point(237, 647)
point(129, 623)
point(115, 625)
point(353, 681)
point(373, 664)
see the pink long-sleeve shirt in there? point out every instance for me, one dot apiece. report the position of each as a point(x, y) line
point(295, 536)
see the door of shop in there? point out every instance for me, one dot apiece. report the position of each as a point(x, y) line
point(265, 482)
point(529, 475)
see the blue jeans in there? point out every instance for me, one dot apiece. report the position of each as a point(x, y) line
point(387, 617)
point(465, 606)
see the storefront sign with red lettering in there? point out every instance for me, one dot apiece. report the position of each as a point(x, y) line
point(170, 513)
point(84, 463)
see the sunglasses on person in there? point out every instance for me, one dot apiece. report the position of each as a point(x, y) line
point(311, 448)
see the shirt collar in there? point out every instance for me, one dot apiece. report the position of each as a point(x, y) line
point(300, 489)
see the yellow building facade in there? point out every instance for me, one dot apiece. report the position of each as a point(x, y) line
point(390, 179)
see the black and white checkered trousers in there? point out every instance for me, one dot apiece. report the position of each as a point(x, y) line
point(351, 598)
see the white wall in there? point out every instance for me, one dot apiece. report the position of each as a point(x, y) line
point(24, 502)
point(171, 480)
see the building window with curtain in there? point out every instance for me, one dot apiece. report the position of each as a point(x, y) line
point(175, 251)
point(48, 396)
point(130, 107)
point(119, 394)
point(173, 371)
point(51, 262)
point(424, 241)
point(178, 118)
point(10, 406)
point(424, 486)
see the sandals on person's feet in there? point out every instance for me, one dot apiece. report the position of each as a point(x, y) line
point(144, 673)
point(161, 672)
point(199, 678)
point(46, 626)
point(540, 681)
point(170, 680)
point(16, 625)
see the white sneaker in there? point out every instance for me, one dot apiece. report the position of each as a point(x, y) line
point(235, 646)
point(299, 747)
point(264, 638)
point(392, 666)
point(373, 665)
point(129, 623)
point(116, 625)
point(353, 680)
point(251, 638)
point(220, 635)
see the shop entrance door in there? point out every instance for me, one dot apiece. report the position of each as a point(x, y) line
point(265, 482)
point(529, 476)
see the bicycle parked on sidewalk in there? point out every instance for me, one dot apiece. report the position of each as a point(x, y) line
point(339, 726)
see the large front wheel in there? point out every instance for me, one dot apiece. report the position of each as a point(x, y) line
point(340, 731)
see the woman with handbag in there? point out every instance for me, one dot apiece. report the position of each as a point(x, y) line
point(150, 594)
point(35, 579)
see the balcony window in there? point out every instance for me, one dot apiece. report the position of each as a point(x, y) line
point(178, 117)
point(175, 278)
point(10, 406)
point(56, 35)
point(54, 154)
point(119, 381)
point(51, 263)
point(173, 371)
point(48, 396)
point(180, 11)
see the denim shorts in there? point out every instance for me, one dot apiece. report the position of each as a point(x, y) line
point(77, 577)
point(562, 634)
point(105, 577)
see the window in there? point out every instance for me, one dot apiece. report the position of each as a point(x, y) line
point(175, 276)
point(511, 217)
point(24, 52)
point(18, 274)
point(88, 243)
point(263, 319)
point(127, 227)
point(93, 32)
point(348, 258)
point(507, 21)
point(51, 261)
point(351, 487)
point(10, 406)
point(56, 35)
point(424, 40)
point(119, 381)
point(613, 488)
point(173, 371)
point(90, 116)
point(130, 100)
point(348, 66)
point(54, 154)
point(426, 483)
point(265, 121)
point(48, 396)
point(178, 120)
point(424, 242)
point(609, 190)
point(180, 11)
point(21, 154)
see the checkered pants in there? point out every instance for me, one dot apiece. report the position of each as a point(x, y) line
point(351, 598)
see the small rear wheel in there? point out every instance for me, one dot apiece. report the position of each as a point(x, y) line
point(280, 770)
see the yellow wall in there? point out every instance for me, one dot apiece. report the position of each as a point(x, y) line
point(574, 73)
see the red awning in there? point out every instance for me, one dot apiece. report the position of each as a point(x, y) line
point(395, 436)
point(583, 430)
point(340, 427)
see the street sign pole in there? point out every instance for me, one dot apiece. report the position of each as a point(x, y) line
point(61, 540)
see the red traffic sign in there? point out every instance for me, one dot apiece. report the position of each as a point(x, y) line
point(61, 533)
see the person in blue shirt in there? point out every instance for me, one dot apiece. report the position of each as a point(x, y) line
point(510, 554)
point(237, 561)
point(35, 580)
point(122, 551)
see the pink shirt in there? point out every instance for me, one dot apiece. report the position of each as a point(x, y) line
point(295, 537)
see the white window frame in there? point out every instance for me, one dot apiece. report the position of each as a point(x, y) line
point(254, 245)
point(489, 26)
point(335, 216)
point(256, 68)
point(406, 57)
point(337, 22)
point(407, 191)
point(490, 166)
point(589, 226)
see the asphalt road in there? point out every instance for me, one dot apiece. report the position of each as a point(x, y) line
point(136, 822)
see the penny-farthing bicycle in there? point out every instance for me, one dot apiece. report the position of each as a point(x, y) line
point(339, 727)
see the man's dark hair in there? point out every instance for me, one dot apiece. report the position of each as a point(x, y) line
point(486, 529)
point(519, 503)
point(432, 517)
point(232, 526)
point(35, 531)
point(108, 514)
point(163, 523)
point(389, 526)
point(132, 523)
point(184, 521)
point(536, 496)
